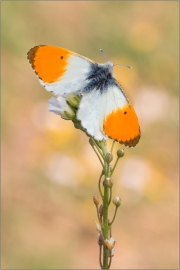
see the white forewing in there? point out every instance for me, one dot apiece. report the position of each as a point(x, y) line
point(90, 112)
point(73, 79)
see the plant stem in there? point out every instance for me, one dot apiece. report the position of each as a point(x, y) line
point(115, 165)
point(98, 215)
point(98, 156)
point(105, 198)
point(112, 146)
point(100, 252)
point(110, 196)
point(105, 226)
point(110, 262)
point(98, 148)
point(99, 185)
point(113, 217)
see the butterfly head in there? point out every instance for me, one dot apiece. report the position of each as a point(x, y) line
point(109, 67)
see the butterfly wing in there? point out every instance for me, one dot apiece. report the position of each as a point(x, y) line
point(90, 115)
point(59, 70)
point(102, 113)
point(109, 114)
point(119, 120)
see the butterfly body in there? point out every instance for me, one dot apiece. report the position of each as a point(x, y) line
point(104, 110)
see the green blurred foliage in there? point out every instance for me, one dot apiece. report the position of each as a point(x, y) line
point(50, 173)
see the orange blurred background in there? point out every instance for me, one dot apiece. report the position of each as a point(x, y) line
point(50, 172)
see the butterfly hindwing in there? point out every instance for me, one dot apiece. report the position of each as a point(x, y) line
point(120, 121)
point(109, 114)
point(89, 113)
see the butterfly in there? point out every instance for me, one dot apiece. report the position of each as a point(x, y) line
point(104, 110)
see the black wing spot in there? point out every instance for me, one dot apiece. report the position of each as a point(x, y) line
point(61, 57)
point(125, 112)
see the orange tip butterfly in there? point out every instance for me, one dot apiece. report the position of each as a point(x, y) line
point(104, 110)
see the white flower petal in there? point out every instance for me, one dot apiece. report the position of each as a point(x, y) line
point(59, 106)
point(112, 252)
point(55, 110)
point(111, 240)
point(62, 103)
point(53, 101)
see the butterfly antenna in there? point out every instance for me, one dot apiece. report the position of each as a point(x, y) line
point(123, 66)
point(104, 54)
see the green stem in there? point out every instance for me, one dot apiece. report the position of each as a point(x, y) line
point(110, 261)
point(113, 217)
point(102, 144)
point(110, 196)
point(97, 146)
point(110, 232)
point(112, 146)
point(98, 215)
point(100, 254)
point(99, 185)
point(115, 165)
point(105, 226)
point(98, 156)
point(108, 170)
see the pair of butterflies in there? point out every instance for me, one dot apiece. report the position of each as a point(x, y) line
point(104, 110)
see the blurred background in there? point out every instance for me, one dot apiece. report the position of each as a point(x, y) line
point(50, 172)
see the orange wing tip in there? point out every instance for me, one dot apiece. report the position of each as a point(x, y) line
point(122, 126)
point(128, 143)
point(32, 53)
point(132, 142)
point(48, 62)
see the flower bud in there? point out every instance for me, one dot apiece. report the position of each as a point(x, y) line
point(98, 227)
point(120, 153)
point(101, 210)
point(117, 201)
point(70, 115)
point(110, 243)
point(96, 200)
point(108, 182)
point(100, 239)
point(60, 107)
point(74, 100)
point(109, 157)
